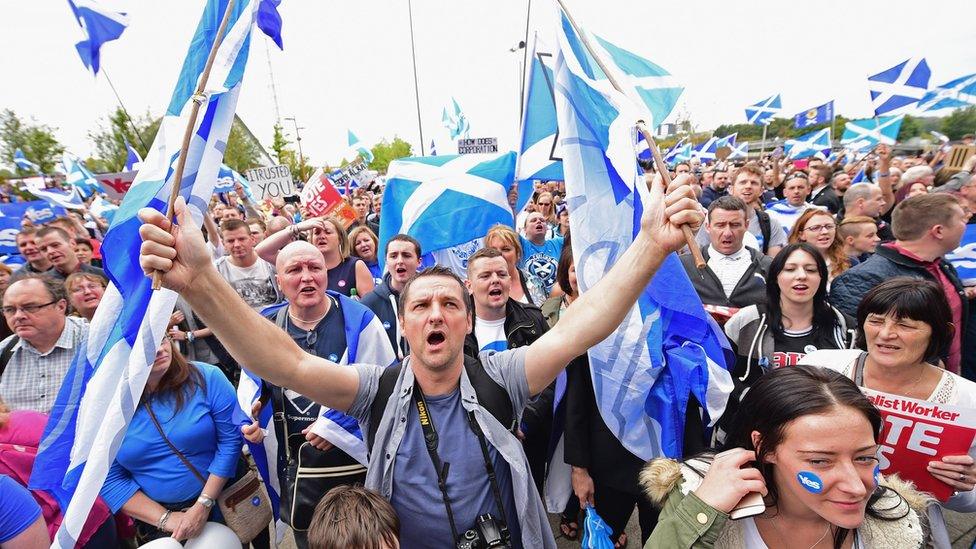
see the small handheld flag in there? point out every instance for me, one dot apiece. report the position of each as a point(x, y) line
point(899, 86)
point(762, 112)
point(817, 115)
point(100, 24)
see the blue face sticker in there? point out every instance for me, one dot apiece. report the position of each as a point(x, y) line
point(810, 481)
point(877, 475)
point(333, 357)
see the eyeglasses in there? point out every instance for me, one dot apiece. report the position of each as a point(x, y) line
point(545, 203)
point(819, 228)
point(86, 287)
point(29, 309)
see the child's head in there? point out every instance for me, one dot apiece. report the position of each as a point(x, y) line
point(352, 517)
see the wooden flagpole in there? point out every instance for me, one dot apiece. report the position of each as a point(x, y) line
point(659, 164)
point(198, 98)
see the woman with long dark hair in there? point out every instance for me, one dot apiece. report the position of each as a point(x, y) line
point(806, 441)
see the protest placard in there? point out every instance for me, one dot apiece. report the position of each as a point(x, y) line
point(271, 182)
point(916, 432)
point(957, 157)
point(478, 145)
point(116, 184)
point(351, 176)
point(320, 198)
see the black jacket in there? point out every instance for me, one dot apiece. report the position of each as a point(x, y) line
point(523, 325)
point(828, 199)
point(750, 290)
point(382, 306)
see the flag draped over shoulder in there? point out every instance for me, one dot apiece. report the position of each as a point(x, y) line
point(667, 347)
point(963, 258)
point(446, 200)
point(366, 343)
point(106, 379)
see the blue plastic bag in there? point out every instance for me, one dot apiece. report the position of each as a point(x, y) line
point(596, 533)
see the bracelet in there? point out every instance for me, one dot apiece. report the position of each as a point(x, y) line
point(206, 501)
point(189, 336)
point(294, 232)
point(162, 520)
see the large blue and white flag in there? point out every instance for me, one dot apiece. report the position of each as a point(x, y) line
point(103, 208)
point(9, 228)
point(366, 343)
point(227, 178)
point(963, 258)
point(132, 158)
point(106, 379)
point(860, 177)
point(900, 86)
point(100, 22)
point(78, 176)
point(26, 165)
point(957, 93)
point(705, 151)
point(817, 115)
point(667, 347)
point(762, 113)
point(869, 132)
point(38, 211)
point(455, 121)
point(815, 143)
point(682, 153)
point(426, 196)
point(356, 148)
point(69, 198)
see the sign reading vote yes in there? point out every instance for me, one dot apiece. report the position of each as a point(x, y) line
point(271, 182)
point(916, 432)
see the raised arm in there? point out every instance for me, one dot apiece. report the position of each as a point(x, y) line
point(884, 177)
point(268, 248)
point(257, 344)
point(598, 311)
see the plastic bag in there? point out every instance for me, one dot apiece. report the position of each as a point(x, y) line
point(596, 533)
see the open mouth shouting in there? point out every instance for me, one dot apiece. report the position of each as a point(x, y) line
point(436, 340)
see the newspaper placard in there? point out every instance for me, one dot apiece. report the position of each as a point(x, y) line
point(478, 145)
point(271, 182)
point(320, 198)
point(116, 184)
point(916, 432)
point(351, 176)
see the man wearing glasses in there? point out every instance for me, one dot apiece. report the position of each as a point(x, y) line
point(36, 358)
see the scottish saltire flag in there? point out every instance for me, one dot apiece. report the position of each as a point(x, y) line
point(963, 258)
point(227, 178)
point(653, 85)
point(38, 211)
point(670, 154)
point(739, 151)
point(9, 227)
point(860, 177)
point(786, 213)
point(26, 165)
point(957, 93)
point(102, 208)
point(132, 158)
point(900, 86)
point(455, 121)
point(69, 198)
point(680, 153)
point(78, 176)
point(706, 151)
point(269, 21)
point(667, 347)
point(356, 148)
point(817, 115)
point(425, 197)
point(538, 156)
point(727, 141)
point(101, 23)
point(762, 113)
point(869, 132)
point(816, 143)
point(106, 379)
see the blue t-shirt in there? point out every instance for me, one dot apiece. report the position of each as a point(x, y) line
point(18, 510)
point(203, 430)
point(542, 260)
point(420, 504)
point(376, 271)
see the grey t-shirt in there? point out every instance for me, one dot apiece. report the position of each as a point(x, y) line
point(255, 284)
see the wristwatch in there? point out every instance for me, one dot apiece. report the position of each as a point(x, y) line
point(206, 501)
point(189, 336)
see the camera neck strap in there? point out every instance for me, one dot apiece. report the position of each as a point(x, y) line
point(442, 468)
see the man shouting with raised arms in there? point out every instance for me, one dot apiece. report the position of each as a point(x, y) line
point(439, 422)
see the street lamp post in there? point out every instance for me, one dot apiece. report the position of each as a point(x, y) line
point(298, 139)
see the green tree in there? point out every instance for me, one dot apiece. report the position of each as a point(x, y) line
point(960, 122)
point(36, 140)
point(112, 134)
point(300, 169)
point(242, 153)
point(385, 152)
point(910, 127)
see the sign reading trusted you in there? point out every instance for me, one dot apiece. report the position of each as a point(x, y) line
point(271, 182)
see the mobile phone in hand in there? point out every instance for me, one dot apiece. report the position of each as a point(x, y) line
point(749, 506)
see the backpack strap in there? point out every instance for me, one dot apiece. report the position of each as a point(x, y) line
point(765, 228)
point(8, 352)
point(387, 383)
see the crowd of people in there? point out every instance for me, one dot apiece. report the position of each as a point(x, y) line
point(418, 397)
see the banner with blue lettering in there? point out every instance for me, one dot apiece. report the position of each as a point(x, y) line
point(9, 227)
point(39, 211)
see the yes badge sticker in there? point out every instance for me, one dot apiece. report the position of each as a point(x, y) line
point(810, 481)
point(877, 475)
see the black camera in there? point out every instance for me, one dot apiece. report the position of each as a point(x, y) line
point(488, 533)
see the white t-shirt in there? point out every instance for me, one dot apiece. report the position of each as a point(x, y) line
point(255, 284)
point(753, 540)
point(490, 334)
point(456, 257)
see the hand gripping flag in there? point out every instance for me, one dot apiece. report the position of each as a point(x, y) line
point(78, 176)
point(817, 115)
point(100, 23)
point(667, 347)
point(356, 148)
point(869, 132)
point(106, 379)
point(900, 86)
point(132, 158)
point(762, 112)
point(816, 143)
point(427, 196)
point(957, 93)
point(366, 343)
point(963, 258)
point(23, 164)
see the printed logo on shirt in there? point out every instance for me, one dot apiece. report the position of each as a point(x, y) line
point(542, 266)
point(781, 359)
point(463, 251)
point(386, 325)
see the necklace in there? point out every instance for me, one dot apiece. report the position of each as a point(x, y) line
point(783, 538)
point(301, 321)
point(914, 384)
